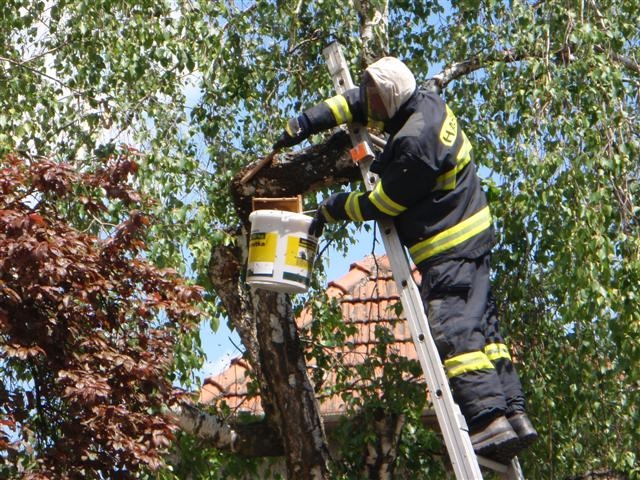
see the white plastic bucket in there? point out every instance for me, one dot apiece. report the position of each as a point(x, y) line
point(281, 251)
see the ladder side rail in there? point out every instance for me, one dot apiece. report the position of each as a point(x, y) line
point(450, 419)
point(514, 471)
point(511, 471)
point(452, 423)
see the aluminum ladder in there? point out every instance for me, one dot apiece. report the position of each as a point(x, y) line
point(465, 463)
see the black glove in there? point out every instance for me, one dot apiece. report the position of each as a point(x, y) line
point(285, 140)
point(293, 134)
point(317, 224)
point(325, 214)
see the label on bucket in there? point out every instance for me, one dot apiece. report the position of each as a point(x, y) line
point(300, 252)
point(262, 254)
point(262, 247)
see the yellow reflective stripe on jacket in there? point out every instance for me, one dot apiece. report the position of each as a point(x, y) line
point(451, 237)
point(467, 362)
point(340, 109)
point(327, 216)
point(464, 155)
point(496, 351)
point(447, 181)
point(383, 203)
point(287, 128)
point(352, 206)
point(449, 130)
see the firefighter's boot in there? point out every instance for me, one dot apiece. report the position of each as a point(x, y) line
point(524, 429)
point(496, 440)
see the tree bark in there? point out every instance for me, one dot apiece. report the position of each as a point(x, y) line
point(289, 387)
point(256, 439)
point(303, 172)
point(374, 23)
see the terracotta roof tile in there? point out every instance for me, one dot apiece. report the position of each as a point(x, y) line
point(350, 281)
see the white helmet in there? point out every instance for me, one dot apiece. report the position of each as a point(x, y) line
point(386, 85)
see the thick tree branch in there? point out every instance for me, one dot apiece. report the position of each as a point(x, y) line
point(627, 62)
point(255, 439)
point(318, 166)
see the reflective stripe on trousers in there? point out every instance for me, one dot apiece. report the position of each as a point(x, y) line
point(456, 295)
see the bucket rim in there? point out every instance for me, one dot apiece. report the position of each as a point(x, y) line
point(270, 213)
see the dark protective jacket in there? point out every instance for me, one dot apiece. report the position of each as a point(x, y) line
point(428, 184)
point(428, 180)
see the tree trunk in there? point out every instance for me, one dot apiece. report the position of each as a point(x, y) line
point(265, 320)
point(289, 387)
point(381, 456)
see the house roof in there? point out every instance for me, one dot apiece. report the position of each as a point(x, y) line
point(368, 299)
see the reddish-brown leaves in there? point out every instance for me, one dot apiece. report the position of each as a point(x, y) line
point(87, 324)
point(22, 352)
point(49, 176)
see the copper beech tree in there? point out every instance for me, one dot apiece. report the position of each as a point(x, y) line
point(87, 326)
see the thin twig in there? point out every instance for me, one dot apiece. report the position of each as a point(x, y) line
point(38, 72)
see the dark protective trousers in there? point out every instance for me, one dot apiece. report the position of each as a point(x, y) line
point(463, 319)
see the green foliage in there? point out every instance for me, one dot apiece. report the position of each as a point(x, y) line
point(561, 141)
point(557, 132)
point(369, 384)
point(193, 459)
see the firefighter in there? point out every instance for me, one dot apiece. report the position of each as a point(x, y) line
point(428, 184)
